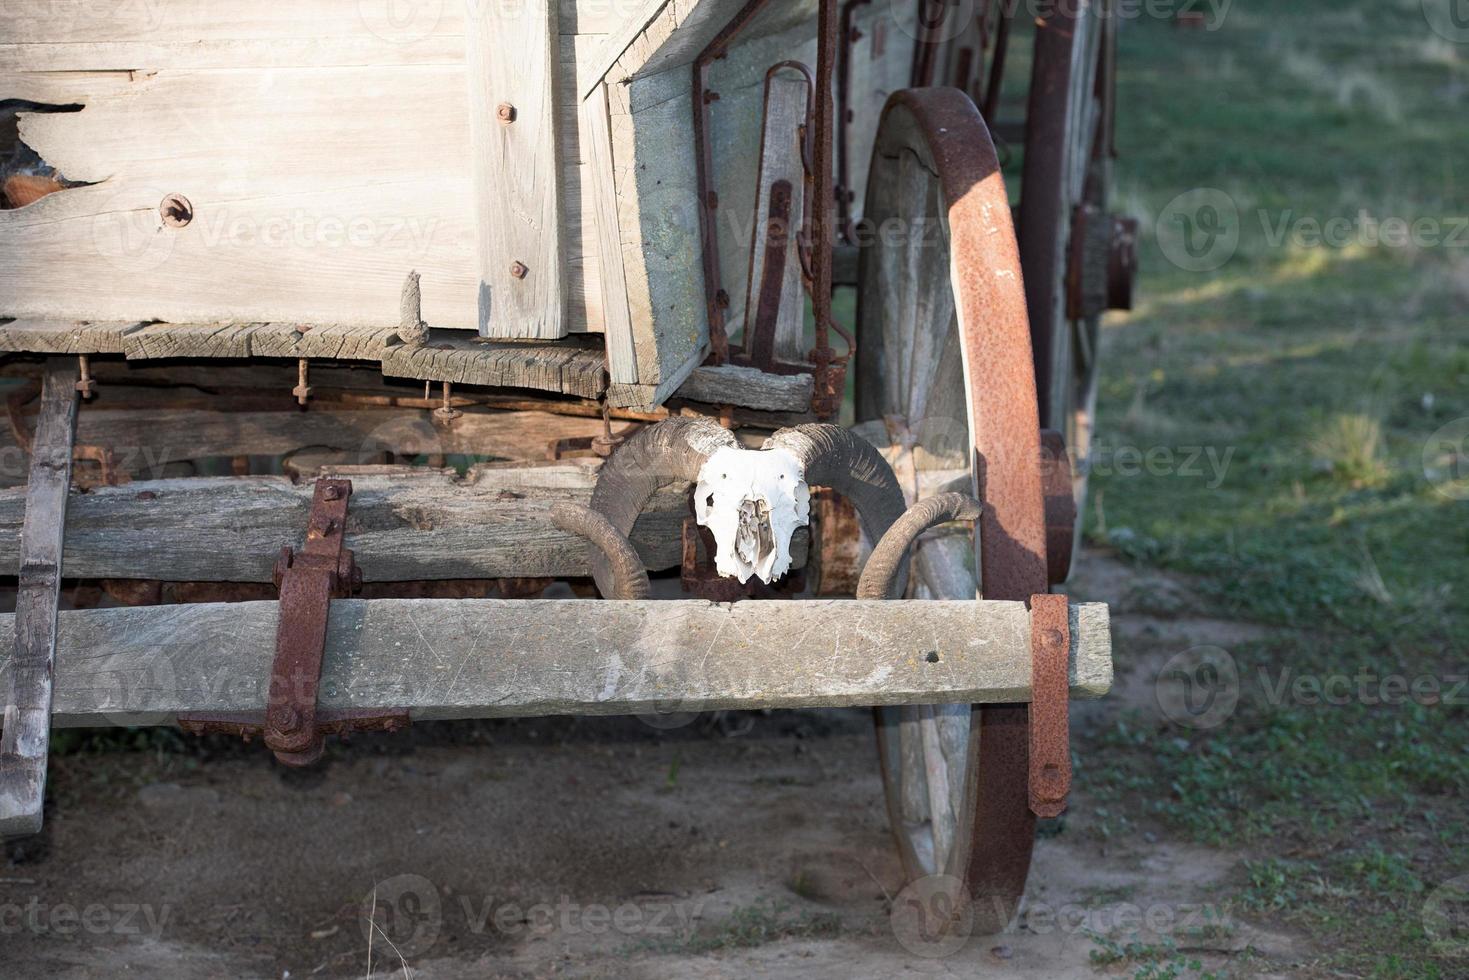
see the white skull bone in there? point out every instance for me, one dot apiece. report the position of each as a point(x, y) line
point(752, 500)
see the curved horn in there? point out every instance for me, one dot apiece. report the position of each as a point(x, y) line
point(668, 452)
point(629, 579)
point(887, 558)
point(835, 457)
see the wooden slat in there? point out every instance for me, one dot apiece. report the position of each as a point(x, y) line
point(486, 658)
point(568, 368)
point(65, 336)
point(512, 56)
point(429, 525)
point(25, 743)
point(622, 365)
point(730, 384)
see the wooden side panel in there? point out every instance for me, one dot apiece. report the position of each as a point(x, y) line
point(323, 144)
point(305, 204)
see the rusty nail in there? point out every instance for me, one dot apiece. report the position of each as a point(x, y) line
point(518, 270)
point(505, 112)
point(176, 211)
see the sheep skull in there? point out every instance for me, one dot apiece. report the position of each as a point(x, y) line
point(752, 500)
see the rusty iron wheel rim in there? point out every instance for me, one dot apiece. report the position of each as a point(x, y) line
point(986, 397)
point(1068, 149)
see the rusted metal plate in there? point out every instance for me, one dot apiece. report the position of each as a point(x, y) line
point(1050, 749)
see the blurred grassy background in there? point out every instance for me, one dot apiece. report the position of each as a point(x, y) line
point(1326, 370)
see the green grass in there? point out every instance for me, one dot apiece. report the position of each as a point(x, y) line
point(1320, 373)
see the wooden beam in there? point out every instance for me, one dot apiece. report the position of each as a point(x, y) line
point(146, 440)
point(489, 658)
point(730, 384)
point(430, 525)
point(512, 57)
point(25, 742)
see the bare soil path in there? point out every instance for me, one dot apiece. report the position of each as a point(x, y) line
point(612, 848)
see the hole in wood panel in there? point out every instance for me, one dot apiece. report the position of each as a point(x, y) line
point(25, 178)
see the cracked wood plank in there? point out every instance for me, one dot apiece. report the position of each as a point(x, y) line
point(26, 740)
point(488, 658)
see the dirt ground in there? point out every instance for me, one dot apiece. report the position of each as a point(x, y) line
point(749, 845)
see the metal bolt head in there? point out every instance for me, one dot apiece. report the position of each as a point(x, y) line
point(505, 112)
point(176, 211)
point(330, 492)
point(518, 270)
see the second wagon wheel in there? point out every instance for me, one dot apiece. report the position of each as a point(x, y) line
point(944, 365)
point(1078, 259)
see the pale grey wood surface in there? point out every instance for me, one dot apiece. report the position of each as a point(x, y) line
point(622, 364)
point(512, 57)
point(427, 526)
point(484, 658)
point(25, 742)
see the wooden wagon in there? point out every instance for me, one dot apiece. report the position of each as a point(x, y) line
point(443, 302)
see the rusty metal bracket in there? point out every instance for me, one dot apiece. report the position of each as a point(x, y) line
point(103, 456)
point(1050, 706)
point(293, 727)
point(817, 245)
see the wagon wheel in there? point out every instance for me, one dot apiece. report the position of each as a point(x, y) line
point(1078, 260)
point(944, 364)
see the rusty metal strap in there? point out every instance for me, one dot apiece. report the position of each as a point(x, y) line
point(1050, 749)
point(308, 580)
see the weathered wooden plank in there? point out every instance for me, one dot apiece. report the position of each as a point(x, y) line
point(65, 336)
point(487, 658)
point(730, 384)
point(189, 340)
point(622, 365)
point(327, 340)
point(512, 51)
point(565, 367)
point(428, 525)
point(25, 742)
point(147, 440)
